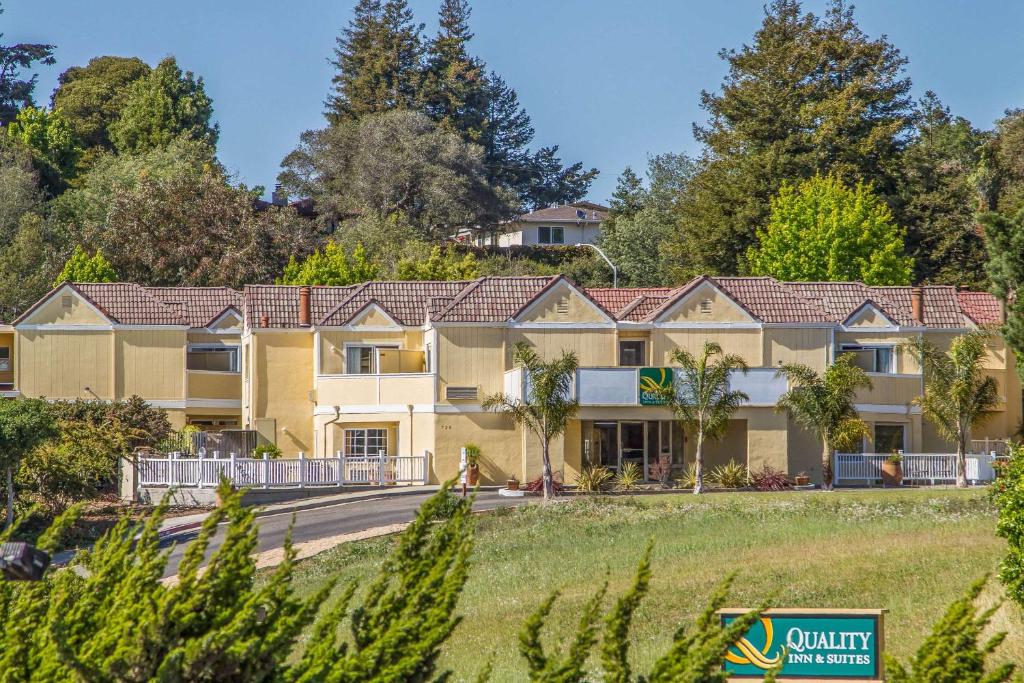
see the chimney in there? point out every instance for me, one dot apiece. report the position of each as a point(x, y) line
point(304, 306)
point(264, 321)
point(917, 304)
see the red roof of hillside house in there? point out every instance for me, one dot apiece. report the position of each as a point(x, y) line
point(500, 299)
point(126, 303)
point(586, 212)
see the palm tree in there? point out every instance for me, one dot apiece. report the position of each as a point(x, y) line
point(549, 404)
point(824, 404)
point(701, 399)
point(958, 395)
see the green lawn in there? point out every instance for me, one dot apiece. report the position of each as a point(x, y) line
point(911, 552)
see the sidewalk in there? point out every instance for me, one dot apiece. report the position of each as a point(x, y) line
point(177, 525)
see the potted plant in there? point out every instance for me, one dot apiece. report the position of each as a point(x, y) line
point(512, 484)
point(472, 464)
point(892, 470)
point(801, 479)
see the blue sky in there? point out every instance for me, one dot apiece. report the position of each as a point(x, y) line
point(610, 81)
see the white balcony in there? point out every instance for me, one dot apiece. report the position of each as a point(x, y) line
point(616, 386)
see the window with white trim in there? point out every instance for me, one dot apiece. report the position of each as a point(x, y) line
point(364, 359)
point(5, 358)
point(212, 358)
point(366, 441)
point(881, 359)
point(550, 235)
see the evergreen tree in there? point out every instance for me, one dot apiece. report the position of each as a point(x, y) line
point(552, 183)
point(378, 62)
point(454, 87)
point(162, 106)
point(84, 268)
point(1004, 237)
point(15, 91)
point(1000, 175)
point(808, 95)
point(629, 195)
point(91, 97)
point(939, 200)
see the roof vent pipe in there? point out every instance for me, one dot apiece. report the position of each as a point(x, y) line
point(304, 306)
point(917, 304)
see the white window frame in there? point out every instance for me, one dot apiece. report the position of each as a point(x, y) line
point(364, 434)
point(551, 234)
point(891, 348)
point(233, 349)
point(374, 357)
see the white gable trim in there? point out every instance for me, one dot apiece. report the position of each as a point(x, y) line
point(863, 309)
point(229, 312)
point(365, 312)
point(27, 324)
point(541, 298)
point(693, 292)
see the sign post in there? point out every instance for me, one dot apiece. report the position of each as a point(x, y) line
point(812, 644)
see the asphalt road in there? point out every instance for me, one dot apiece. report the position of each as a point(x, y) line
point(331, 520)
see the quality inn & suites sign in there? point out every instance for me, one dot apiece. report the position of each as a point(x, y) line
point(812, 644)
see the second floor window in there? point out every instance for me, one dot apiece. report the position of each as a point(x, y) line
point(5, 358)
point(546, 235)
point(212, 358)
point(632, 353)
point(872, 358)
point(365, 359)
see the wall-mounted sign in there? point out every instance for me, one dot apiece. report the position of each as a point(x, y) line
point(813, 644)
point(653, 381)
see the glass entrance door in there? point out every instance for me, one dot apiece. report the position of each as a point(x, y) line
point(633, 444)
point(606, 444)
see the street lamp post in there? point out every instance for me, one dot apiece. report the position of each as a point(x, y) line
point(615, 271)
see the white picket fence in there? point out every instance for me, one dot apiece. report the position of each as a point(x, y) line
point(300, 472)
point(930, 468)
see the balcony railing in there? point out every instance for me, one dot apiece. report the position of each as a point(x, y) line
point(618, 386)
point(369, 390)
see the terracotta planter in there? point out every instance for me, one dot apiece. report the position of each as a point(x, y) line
point(512, 484)
point(801, 481)
point(892, 473)
point(472, 475)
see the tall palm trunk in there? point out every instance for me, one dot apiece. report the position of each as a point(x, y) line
point(826, 466)
point(698, 480)
point(545, 467)
point(961, 461)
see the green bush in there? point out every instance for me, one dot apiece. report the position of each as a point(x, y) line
point(732, 475)
point(594, 479)
point(629, 476)
point(271, 450)
point(111, 618)
point(951, 654)
point(1008, 495)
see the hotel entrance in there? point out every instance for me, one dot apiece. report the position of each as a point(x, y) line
point(612, 443)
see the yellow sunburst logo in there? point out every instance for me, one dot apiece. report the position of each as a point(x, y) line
point(747, 653)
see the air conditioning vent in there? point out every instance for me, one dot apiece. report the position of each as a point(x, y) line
point(460, 393)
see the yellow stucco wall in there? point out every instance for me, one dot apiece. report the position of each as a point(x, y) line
point(61, 364)
point(563, 304)
point(720, 308)
point(282, 384)
point(150, 363)
point(500, 442)
point(745, 342)
point(807, 345)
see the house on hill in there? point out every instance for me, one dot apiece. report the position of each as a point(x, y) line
point(568, 224)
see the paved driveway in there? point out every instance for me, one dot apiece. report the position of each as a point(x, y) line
point(333, 519)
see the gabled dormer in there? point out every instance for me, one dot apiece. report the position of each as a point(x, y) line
point(561, 303)
point(704, 302)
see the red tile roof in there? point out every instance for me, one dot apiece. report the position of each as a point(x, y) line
point(200, 306)
point(405, 302)
point(840, 299)
point(280, 303)
point(981, 307)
